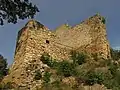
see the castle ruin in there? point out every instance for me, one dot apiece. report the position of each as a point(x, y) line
point(35, 39)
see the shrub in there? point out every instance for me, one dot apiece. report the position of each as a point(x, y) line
point(94, 77)
point(99, 71)
point(113, 69)
point(115, 54)
point(47, 59)
point(78, 58)
point(65, 69)
point(46, 77)
point(103, 20)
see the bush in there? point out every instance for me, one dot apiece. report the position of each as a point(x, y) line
point(65, 69)
point(47, 59)
point(99, 71)
point(46, 77)
point(113, 69)
point(103, 20)
point(95, 78)
point(78, 58)
point(115, 54)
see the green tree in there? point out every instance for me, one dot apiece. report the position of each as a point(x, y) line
point(12, 10)
point(3, 67)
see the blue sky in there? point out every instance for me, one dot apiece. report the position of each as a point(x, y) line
point(53, 13)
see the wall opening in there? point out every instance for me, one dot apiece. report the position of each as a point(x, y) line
point(47, 41)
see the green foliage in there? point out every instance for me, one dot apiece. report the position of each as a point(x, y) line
point(103, 20)
point(113, 68)
point(66, 69)
point(63, 68)
point(38, 75)
point(47, 59)
point(110, 77)
point(3, 67)
point(12, 10)
point(94, 77)
point(102, 71)
point(46, 77)
point(115, 54)
point(78, 58)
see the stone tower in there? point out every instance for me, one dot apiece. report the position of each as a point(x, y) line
point(35, 39)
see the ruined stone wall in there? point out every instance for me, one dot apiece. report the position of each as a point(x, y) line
point(89, 36)
point(31, 44)
point(35, 39)
point(99, 43)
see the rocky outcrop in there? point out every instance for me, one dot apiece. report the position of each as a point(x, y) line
point(35, 39)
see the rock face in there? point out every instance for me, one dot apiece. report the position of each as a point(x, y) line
point(35, 39)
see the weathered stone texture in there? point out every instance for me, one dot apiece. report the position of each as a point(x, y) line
point(35, 39)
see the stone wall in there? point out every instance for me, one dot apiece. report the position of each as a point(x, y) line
point(89, 36)
point(35, 39)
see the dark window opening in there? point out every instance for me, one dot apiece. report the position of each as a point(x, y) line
point(47, 41)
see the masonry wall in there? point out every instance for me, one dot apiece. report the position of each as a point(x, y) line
point(32, 42)
point(89, 36)
point(37, 42)
point(35, 39)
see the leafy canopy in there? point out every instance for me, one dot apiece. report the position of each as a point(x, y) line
point(3, 67)
point(12, 10)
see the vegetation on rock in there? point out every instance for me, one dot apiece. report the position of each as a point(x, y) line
point(103, 72)
point(46, 77)
point(83, 69)
point(115, 54)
